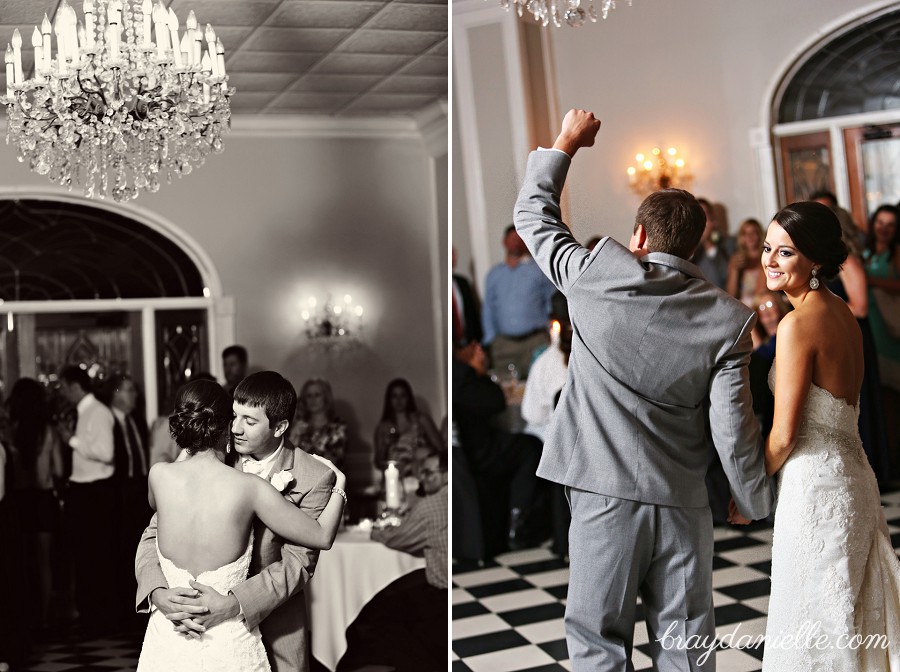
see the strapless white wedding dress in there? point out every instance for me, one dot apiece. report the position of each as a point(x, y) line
point(227, 647)
point(835, 600)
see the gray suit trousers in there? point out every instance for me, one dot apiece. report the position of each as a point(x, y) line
point(622, 549)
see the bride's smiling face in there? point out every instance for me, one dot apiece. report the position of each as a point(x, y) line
point(787, 269)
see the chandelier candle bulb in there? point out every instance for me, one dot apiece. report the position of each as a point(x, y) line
point(17, 56)
point(220, 56)
point(160, 23)
point(89, 26)
point(176, 43)
point(146, 11)
point(37, 41)
point(46, 29)
point(187, 49)
point(10, 72)
point(210, 35)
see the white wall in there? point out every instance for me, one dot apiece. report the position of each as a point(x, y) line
point(695, 75)
point(285, 217)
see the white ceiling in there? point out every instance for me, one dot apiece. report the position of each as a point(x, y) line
point(310, 57)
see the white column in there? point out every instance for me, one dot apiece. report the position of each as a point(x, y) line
point(151, 370)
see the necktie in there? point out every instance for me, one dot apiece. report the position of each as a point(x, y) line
point(457, 322)
point(136, 446)
point(129, 451)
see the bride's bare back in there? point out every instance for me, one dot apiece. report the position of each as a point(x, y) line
point(205, 511)
point(830, 332)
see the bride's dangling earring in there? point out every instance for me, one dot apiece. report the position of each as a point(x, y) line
point(814, 281)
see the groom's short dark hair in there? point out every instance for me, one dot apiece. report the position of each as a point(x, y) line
point(673, 220)
point(269, 391)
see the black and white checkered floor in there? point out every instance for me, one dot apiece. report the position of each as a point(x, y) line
point(75, 653)
point(508, 615)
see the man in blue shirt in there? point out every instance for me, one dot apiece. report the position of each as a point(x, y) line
point(516, 307)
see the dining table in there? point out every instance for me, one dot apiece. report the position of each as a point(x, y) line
point(347, 577)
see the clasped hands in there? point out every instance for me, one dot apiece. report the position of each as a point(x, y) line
point(734, 516)
point(196, 609)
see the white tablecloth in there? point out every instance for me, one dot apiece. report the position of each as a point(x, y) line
point(346, 578)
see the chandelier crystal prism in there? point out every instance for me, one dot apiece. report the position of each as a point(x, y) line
point(124, 100)
point(573, 12)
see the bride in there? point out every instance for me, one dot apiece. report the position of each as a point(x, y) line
point(206, 511)
point(835, 600)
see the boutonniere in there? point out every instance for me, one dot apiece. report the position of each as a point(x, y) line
point(282, 480)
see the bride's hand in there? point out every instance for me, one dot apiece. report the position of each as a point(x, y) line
point(341, 481)
point(734, 516)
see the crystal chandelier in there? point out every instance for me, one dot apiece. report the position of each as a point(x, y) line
point(658, 172)
point(124, 100)
point(572, 11)
point(332, 323)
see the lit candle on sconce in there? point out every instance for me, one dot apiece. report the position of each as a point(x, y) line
point(176, 43)
point(555, 329)
point(46, 29)
point(17, 57)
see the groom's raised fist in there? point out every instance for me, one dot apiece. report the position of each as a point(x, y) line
point(579, 128)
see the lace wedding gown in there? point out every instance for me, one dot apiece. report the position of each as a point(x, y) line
point(835, 600)
point(227, 647)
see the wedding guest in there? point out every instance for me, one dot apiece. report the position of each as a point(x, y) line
point(466, 314)
point(770, 309)
point(516, 305)
point(38, 469)
point(852, 286)
point(745, 272)
point(316, 429)
point(883, 271)
point(493, 455)
point(234, 364)
point(413, 609)
point(852, 236)
point(12, 643)
point(710, 257)
point(131, 463)
point(404, 432)
point(90, 496)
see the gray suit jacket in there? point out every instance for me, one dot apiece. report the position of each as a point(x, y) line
point(272, 597)
point(659, 358)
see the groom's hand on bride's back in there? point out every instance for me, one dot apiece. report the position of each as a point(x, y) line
point(579, 128)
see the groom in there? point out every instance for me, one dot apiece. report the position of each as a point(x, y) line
point(658, 356)
point(272, 597)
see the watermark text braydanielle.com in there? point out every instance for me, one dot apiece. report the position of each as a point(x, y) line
point(808, 635)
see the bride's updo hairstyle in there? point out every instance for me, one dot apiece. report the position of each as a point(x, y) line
point(203, 412)
point(816, 233)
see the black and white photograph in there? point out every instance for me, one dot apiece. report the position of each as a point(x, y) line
point(223, 371)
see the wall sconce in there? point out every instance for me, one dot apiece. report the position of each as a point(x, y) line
point(332, 323)
point(660, 170)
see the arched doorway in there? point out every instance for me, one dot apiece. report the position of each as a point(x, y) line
point(835, 115)
point(109, 286)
